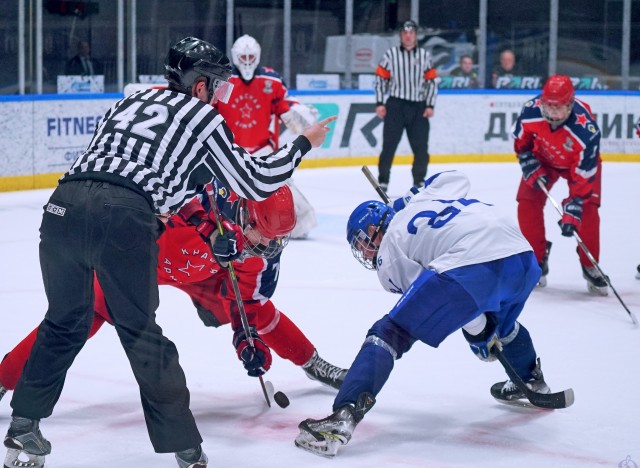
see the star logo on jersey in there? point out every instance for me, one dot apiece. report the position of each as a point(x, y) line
point(185, 270)
point(581, 119)
point(233, 197)
point(245, 111)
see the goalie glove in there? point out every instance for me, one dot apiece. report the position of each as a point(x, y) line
point(299, 118)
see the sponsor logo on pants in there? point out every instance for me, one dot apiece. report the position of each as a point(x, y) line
point(55, 209)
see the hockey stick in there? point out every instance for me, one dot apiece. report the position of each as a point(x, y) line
point(587, 253)
point(556, 400)
point(543, 400)
point(236, 288)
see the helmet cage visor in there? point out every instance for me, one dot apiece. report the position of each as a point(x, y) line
point(256, 243)
point(364, 247)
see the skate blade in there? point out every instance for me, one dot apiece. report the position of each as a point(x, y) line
point(596, 291)
point(524, 403)
point(19, 459)
point(327, 448)
point(542, 282)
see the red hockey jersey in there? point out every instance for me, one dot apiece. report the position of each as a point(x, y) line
point(249, 110)
point(573, 148)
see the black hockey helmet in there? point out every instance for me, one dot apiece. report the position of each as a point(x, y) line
point(409, 25)
point(191, 58)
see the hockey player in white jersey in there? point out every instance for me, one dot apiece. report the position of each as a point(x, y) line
point(458, 263)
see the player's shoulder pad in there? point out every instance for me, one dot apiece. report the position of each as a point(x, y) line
point(531, 109)
point(582, 123)
point(268, 73)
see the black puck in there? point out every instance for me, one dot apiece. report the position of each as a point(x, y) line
point(281, 399)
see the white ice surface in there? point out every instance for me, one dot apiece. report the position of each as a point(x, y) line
point(435, 410)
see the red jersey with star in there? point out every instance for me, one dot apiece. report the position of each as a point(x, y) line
point(249, 110)
point(184, 256)
point(573, 146)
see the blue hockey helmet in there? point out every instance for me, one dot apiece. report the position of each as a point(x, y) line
point(363, 241)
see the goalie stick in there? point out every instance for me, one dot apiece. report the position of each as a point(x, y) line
point(236, 290)
point(587, 253)
point(557, 400)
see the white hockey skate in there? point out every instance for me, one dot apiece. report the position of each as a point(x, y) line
point(508, 392)
point(192, 458)
point(324, 437)
point(596, 283)
point(27, 447)
point(324, 372)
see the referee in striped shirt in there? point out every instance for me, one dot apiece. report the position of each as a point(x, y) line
point(407, 74)
point(152, 151)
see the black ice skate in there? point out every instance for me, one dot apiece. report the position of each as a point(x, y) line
point(2, 391)
point(324, 437)
point(320, 370)
point(638, 272)
point(27, 447)
point(509, 394)
point(596, 283)
point(544, 265)
point(192, 458)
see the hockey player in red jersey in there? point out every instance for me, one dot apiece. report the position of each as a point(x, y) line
point(185, 261)
point(556, 136)
point(259, 95)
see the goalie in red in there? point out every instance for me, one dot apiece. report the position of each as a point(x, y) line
point(260, 95)
point(556, 136)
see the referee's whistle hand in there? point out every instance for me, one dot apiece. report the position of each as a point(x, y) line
point(318, 131)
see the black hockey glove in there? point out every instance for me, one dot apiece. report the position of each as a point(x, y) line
point(571, 217)
point(228, 246)
point(532, 170)
point(257, 359)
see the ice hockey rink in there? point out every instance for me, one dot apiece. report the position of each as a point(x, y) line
point(435, 411)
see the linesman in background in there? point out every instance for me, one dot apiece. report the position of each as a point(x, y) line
point(407, 74)
point(152, 151)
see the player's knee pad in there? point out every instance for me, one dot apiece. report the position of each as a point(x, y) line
point(389, 336)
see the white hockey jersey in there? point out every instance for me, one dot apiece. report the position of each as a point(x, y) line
point(440, 229)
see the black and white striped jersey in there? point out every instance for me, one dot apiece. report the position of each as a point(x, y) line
point(170, 145)
point(406, 74)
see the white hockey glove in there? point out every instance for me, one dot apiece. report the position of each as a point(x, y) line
point(299, 118)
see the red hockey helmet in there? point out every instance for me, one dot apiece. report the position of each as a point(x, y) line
point(558, 91)
point(557, 99)
point(273, 218)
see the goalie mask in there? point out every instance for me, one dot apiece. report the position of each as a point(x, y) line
point(557, 99)
point(245, 54)
point(267, 224)
point(365, 228)
point(191, 59)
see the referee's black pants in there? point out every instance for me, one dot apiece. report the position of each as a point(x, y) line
point(96, 226)
point(401, 115)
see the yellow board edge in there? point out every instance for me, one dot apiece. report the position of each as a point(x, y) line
point(40, 181)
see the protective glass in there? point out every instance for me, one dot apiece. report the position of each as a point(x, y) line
point(220, 89)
